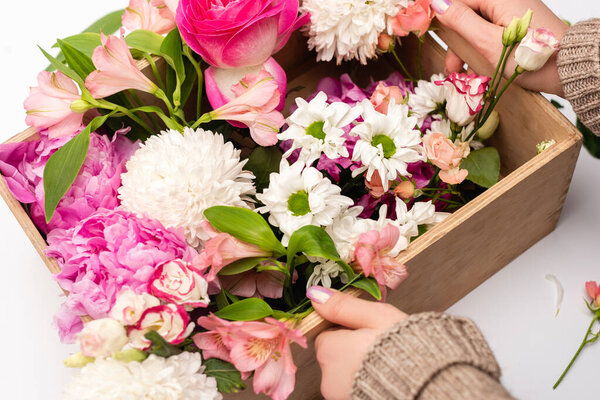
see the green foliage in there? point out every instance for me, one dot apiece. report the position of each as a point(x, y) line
point(62, 67)
point(590, 141)
point(251, 309)
point(369, 285)
point(483, 166)
point(84, 42)
point(171, 50)
point(262, 162)
point(145, 41)
point(160, 346)
point(229, 379)
point(241, 266)
point(80, 63)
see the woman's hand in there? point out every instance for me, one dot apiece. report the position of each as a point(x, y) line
point(340, 351)
point(481, 23)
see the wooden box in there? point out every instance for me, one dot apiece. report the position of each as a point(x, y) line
point(472, 244)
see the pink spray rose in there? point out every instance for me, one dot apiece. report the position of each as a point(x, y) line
point(593, 290)
point(152, 16)
point(535, 49)
point(237, 33)
point(171, 321)
point(49, 105)
point(116, 69)
point(415, 18)
point(130, 306)
point(464, 96)
point(447, 156)
point(175, 282)
point(382, 96)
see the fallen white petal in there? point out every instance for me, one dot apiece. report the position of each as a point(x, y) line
point(559, 291)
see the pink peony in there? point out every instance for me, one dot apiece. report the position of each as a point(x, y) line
point(241, 33)
point(383, 95)
point(49, 105)
point(152, 16)
point(171, 321)
point(95, 187)
point(415, 18)
point(176, 282)
point(105, 253)
point(464, 96)
point(593, 290)
point(447, 156)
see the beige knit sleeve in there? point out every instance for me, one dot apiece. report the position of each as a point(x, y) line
point(430, 356)
point(579, 71)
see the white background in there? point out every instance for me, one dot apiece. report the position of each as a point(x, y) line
point(515, 308)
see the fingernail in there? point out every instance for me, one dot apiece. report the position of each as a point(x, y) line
point(440, 6)
point(318, 294)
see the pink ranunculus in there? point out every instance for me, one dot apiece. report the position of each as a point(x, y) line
point(176, 282)
point(152, 16)
point(130, 306)
point(255, 105)
point(102, 338)
point(446, 156)
point(255, 284)
point(170, 321)
point(215, 342)
point(415, 18)
point(49, 105)
point(593, 290)
point(222, 250)
point(241, 33)
point(535, 49)
point(116, 69)
point(464, 96)
point(108, 252)
point(374, 256)
point(383, 95)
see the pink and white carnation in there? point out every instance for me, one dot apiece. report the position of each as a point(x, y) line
point(464, 96)
point(170, 321)
point(177, 282)
point(105, 253)
point(102, 338)
point(130, 306)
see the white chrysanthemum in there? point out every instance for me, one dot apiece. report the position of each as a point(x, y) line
point(173, 178)
point(421, 213)
point(427, 97)
point(325, 270)
point(348, 29)
point(387, 143)
point(299, 196)
point(317, 127)
point(443, 126)
point(178, 377)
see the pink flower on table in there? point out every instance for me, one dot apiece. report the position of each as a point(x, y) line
point(535, 49)
point(374, 256)
point(255, 284)
point(170, 321)
point(447, 156)
point(593, 290)
point(383, 95)
point(49, 105)
point(130, 306)
point(464, 96)
point(415, 18)
point(116, 69)
point(152, 16)
point(232, 34)
point(176, 282)
point(215, 342)
point(257, 98)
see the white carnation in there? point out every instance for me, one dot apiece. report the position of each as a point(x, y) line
point(175, 177)
point(348, 29)
point(178, 377)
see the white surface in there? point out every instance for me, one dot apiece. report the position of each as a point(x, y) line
point(515, 308)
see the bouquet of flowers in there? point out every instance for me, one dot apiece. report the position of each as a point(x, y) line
point(190, 210)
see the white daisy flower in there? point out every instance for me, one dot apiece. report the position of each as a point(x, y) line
point(387, 143)
point(317, 127)
point(421, 213)
point(325, 270)
point(348, 29)
point(299, 196)
point(174, 177)
point(443, 126)
point(427, 97)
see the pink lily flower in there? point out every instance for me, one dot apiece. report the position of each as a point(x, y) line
point(49, 105)
point(154, 16)
point(593, 290)
point(116, 69)
point(374, 256)
point(255, 105)
point(216, 342)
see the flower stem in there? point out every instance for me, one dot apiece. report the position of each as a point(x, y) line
point(496, 100)
point(419, 61)
point(159, 80)
point(203, 119)
point(408, 75)
point(500, 62)
point(494, 85)
point(583, 343)
point(162, 96)
point(188, 54)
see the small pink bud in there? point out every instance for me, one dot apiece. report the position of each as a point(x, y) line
point(384, 42)
point(405, 190)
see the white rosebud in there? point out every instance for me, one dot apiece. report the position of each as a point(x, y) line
point(130, 306)
point(102, 337)
point(535, 49)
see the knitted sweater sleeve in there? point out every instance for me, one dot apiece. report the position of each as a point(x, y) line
point(579, 71)
point(430, 356)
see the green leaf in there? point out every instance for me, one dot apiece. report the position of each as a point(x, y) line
point(262, 162)
point(241, 266)
point(246, 310)
point(62, 67)
point(84, 42)
point(63, 166)
point(108, 24)
point(171, 49)
point(81, 64)
point(369, 285)
point(229, 379)
point(590, 141)
point(146, 41)
point(483, 166)
point(246, 225)
point(160, 346)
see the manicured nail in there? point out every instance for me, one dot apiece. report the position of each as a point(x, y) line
point(440, 6)
point(318, 294)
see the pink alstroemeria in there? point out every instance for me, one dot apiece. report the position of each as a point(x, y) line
point(215, 342)
point(255, 106)
point(373, 256)
point(154, 16)
point(255, 284)
point(464, 96)
point(593, 290)
point(222, 250)
point(49, 105)
point(116, 70)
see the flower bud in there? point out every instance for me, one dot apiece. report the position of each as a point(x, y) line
point(523, 25)
point(489, 128)
point(102, 338)
point(535, 49)
point(405, 190)
point(80, 106)
point(78, 360)
point(509, 36)
point(385, 42)
point(130, 355)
